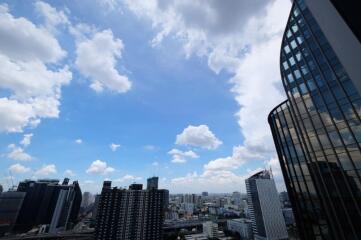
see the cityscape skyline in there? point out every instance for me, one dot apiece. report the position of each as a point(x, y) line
point(151, 115)
point(244, 118)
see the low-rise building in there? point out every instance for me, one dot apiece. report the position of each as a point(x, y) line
point(242, 226)
point(210, 229)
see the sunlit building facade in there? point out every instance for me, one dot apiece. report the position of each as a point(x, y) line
point(265, 207)
point(317, 130)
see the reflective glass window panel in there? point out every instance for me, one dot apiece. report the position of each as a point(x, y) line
point(311, 85)
point(303, 88)
point(300, 40)
point(301, 23)
point(297, 74)
point(289, 34)
point(290, 78)
point(356, 158)
point(335, 139)
point(345, 161)
point(314, 142)
point(357, 106)
point(287, 49)
point(293, 44)
point(338, 92)
point(326, 118)
point(304, 70)
point(306, 33)
point(324, 141)
point(327, 96)
point(294, 92)
point(346, 136)
point(296, 12)
point(312, 65)
point(319, 80)
point(357, 132)
point(348, 111)
point(292, 61)
point(285, 65)
point(336, 115)
point(349, 88)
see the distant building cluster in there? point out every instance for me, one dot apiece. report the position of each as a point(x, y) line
point(261, 213)
point(48, 208)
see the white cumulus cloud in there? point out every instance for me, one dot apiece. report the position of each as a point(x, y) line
point(199, 136)
point(18, 153)
point(78, 141)
point(96, 59)
point(240, 37)
point(127, 178)
point(18, 168)
point(179, 156)
point(221, 181)
point(46, 170)
point(99, 167)
point(239, 156)
point(52, 17)
point(30, 73)
point(26, 140)
point(69, 173)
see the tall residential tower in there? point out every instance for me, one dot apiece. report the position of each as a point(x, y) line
point(131, 214)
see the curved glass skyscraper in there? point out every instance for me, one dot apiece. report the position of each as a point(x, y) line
point(317, 132)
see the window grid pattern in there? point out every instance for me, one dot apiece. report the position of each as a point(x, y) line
point(317, 133)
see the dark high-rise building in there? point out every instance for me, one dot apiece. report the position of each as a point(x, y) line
point(75, 207)
point(95, 206)
point(130, 214)
point(317, 130)
point(152, 183)
point(10, 204)
point(265, 207)
point(204, 194)
point(86, 199)
point(41, 200)
point(64, 210)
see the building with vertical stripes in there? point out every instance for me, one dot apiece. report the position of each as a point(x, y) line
point(317, 130)
point(265, 207)
point(131, 214)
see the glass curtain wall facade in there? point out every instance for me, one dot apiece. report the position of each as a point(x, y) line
point(317, 133)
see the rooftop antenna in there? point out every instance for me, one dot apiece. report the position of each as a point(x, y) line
point(12, 180)
point(6, 179)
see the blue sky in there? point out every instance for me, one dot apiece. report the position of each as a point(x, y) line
point(180, 90)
